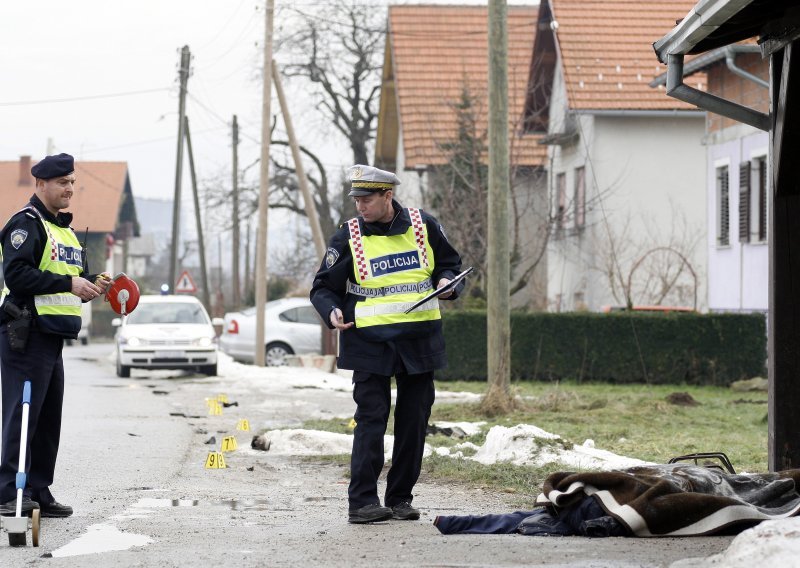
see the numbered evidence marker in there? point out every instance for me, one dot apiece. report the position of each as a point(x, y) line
point(214, 407)
point(352, 424)
point(243, 425)
point(229, 444)
point(215, 460)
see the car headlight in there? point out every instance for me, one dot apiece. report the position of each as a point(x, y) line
point(203, 341)
point(133, 342)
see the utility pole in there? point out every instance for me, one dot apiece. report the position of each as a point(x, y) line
point(200, 241)
point(183, 74)
point(310, 206)
point(248, 276)
point(237, 295)
point(263, 194)
point(498, 326)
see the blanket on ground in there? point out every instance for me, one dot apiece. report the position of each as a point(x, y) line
point(679, 499)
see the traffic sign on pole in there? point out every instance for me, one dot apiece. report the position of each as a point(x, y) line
point(185, 284)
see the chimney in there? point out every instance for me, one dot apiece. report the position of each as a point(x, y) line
point(24, 170)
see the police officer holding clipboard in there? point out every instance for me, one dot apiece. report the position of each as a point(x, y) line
point(377, 266)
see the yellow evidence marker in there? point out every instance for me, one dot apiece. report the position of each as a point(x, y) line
point(229, 444)
point(215, 460)
point(243, 425)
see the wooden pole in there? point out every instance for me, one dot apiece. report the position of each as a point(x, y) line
point(497, 321)
point(310, 206)
point(237, 294)
point(176, 200)
point(200, 241)
point(263, 195)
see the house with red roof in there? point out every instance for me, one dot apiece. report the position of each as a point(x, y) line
point(434, 101)
point(626, 178)
point(736, 179)
point(102, 206)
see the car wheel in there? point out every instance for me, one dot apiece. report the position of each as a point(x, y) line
point(209, 370)
point(276, 354)
point(123, 371)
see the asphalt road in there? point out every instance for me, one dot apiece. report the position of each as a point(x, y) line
point(132, 465)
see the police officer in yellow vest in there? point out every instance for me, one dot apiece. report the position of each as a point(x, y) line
point(377, 265)
point(45, 283)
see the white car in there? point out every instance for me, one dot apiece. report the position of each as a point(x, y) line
point(167, 332)
point(291, 327)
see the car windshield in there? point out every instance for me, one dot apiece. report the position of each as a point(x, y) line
point(168, 312)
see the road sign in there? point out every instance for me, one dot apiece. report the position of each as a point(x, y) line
point(185, 283)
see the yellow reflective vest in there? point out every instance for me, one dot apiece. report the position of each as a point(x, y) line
point(58, 313)
point(392, 273)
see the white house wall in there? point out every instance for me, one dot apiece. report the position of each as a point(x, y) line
point(738, 272)
point(642, 172)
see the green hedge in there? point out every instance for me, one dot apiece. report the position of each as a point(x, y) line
point(713, 349)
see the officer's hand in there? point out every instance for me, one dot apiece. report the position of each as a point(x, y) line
point(84, 289)
point(103, 281)
point(337, 320)
point(442, 283)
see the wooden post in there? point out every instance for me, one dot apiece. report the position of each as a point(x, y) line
point(263, 194)
point(784, 263)
point(497, 317)
point(197, 217)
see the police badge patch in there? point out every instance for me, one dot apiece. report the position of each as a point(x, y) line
point(331, 256)
point(18, 237)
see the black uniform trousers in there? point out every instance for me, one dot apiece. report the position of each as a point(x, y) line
point(372, 394)
point(42, 365)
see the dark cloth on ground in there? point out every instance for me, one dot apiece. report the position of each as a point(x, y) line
point(679, 499)
point(586, 518)
point(645, 501)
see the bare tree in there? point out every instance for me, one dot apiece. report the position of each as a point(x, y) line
point(459, 197)
point(655, 271)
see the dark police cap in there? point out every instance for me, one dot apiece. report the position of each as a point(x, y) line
point(366, 180)
point(54, 166)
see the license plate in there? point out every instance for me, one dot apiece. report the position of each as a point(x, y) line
point(169, 354)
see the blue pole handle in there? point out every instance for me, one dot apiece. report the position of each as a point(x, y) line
point(26, 393)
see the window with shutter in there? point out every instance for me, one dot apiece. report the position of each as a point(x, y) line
point(744, 202)
point(723, 238)
point(561, 213)
point(761, 172)
point(580, 197)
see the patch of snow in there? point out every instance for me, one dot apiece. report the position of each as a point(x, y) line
point(770, 543)
point(525, 444)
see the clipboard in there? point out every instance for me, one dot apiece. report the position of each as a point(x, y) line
point(453, 283)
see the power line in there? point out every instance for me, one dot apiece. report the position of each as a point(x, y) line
point(84, 98)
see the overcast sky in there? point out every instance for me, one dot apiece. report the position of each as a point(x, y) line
point(53, 50)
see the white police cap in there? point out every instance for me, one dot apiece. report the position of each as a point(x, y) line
point(366, 180)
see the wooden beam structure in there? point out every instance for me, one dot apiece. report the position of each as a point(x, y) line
point(784, 292)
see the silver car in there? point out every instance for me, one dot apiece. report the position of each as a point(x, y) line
point(167, 332)
point(291, 327)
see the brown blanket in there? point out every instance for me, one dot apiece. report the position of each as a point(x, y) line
point(679, 499)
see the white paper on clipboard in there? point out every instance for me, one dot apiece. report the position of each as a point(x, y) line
point(443, 290)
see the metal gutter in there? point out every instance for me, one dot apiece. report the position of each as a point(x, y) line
point(699, 23)
point(706, 59)
point(730, 61)
point(674, 113)
point(677, 89)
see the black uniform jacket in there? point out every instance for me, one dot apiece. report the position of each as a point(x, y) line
point(21, 265)
point(418, 355)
